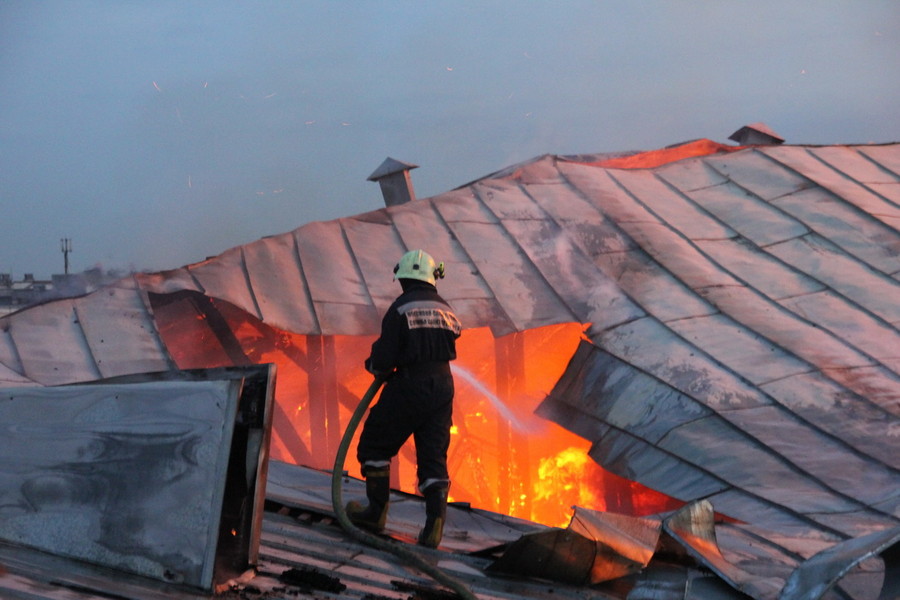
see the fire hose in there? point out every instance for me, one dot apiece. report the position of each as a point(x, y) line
point(337, 502)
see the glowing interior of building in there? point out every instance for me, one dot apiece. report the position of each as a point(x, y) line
point(502, 457)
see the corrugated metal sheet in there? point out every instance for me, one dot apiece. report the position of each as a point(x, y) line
point(743, 306)
point(300, 534)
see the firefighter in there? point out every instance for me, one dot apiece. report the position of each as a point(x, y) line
point(413, 352)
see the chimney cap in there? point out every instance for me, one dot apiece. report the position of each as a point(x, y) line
point(756, 133)
point(390, 166)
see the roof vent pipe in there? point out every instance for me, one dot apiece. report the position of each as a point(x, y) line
point(756, 134)
point(396, 185)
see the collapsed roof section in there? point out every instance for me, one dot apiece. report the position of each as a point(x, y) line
point(742, 302)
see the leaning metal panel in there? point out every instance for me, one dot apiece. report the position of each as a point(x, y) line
point(159, 475)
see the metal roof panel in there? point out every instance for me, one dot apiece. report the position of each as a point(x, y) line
point(518, 287)
point(507, 200)
point(750, 216)
point(329, 265)
point(121, 333)
point(753, 170)
point(856, 233)
point(689, 176)
point(796, 334)
point(588, 293)
point(677, 362)
point(848, 277)
point(819, 456)
point(739, 348)
point(9, 356)
point(226, 278)
point(855, 420)
point(754, 268)
point(842, 184)
point(278, 284)
point(650, 286)
point(9, 377)
point(675, 209)
point(67, 359)
point(856, 161)
point(374, 247)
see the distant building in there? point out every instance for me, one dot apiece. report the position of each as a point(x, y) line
point(18, 294)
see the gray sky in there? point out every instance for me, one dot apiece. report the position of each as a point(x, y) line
point(156, 133)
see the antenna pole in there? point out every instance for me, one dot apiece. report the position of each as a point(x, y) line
point(65, 245)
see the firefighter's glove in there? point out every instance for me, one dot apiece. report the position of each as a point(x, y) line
point(376, 372)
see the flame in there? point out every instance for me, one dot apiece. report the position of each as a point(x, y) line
point(655, 158)
point(565, 472)
point(502, 456)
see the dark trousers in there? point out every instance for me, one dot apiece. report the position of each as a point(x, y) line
point(411, 405)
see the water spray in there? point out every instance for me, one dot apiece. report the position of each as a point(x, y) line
point(498, 404)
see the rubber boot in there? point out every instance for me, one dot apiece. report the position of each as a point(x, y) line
point(378, 492)
point(435, 514)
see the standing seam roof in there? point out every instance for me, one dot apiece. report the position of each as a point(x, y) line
point(742, 302)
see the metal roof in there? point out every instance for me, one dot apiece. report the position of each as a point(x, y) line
point(742, 302)
point(302, 548)
point(304, 553)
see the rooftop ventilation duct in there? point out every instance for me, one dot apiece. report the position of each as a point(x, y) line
point(396, 185)
point(756, 134)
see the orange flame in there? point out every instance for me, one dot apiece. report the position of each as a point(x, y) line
point(562, 479)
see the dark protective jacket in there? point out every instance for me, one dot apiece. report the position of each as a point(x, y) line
point(419, 328)
point(418, 339)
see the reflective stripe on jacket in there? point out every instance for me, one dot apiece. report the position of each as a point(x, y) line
point(419, 327)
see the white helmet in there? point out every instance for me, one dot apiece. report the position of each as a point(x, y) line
point(418, 264)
